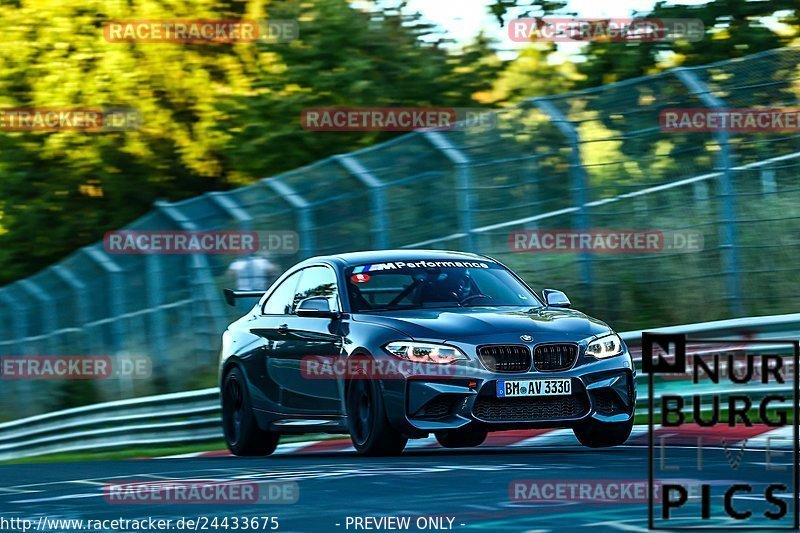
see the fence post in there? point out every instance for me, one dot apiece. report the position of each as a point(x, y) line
point(304, 216)
point(729, 238)
point(230, 207)
point(463, 182)
point(10, 327)
point(116, 307)
point(20, 391)
point(578, 183)
point(377, 198)
point(48, 311)
point(157, 319)
point(19, 318)
point(78, 289)
point(116, 297)
point(202, 277)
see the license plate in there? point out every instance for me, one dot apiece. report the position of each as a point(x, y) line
point(534, 387)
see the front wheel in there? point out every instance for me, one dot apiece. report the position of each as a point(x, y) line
point(596, 434)
point(460, 438)
point(242, 434)
point(370, 430)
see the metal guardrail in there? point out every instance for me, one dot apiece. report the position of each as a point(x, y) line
point(760, 327)
point(165, 419)
point(194, 416)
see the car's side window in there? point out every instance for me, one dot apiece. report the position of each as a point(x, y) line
point(316, 281)
point(280, 301)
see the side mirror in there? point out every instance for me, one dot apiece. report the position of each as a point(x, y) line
point(316, 306)
point(554, 298)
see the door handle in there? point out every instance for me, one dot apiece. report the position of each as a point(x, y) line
point(283, 329)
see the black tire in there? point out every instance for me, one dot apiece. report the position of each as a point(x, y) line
point(370, 430)
point(239, 425)
point(596, 434)
point(460, 438)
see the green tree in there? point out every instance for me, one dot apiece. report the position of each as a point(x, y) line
point(214, 116)
point(532, 74)
point(60, 190)
point(733, 28)
point(347, 58)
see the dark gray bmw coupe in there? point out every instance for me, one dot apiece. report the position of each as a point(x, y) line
point(393, 345)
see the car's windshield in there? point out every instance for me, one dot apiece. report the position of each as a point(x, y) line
point(434, 284)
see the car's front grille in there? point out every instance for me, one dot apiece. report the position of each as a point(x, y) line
point(505, 357)
point(529, 409)
point(552, 357)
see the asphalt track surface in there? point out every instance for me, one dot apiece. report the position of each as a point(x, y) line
point(471, 487)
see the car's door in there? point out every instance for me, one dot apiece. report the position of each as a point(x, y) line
point(263, 374)
point(308, 344)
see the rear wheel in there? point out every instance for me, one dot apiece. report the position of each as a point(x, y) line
point(370, 430)
point(461, 438)
point(242, 434)
point(595, 434)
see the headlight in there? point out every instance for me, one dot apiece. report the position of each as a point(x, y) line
point(423, 352)
point(607, 346)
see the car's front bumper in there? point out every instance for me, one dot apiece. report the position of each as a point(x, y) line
point(604, 390)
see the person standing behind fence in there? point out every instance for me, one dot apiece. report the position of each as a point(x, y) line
point(253, 273)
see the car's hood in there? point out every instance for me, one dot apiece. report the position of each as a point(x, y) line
point(476, 322)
